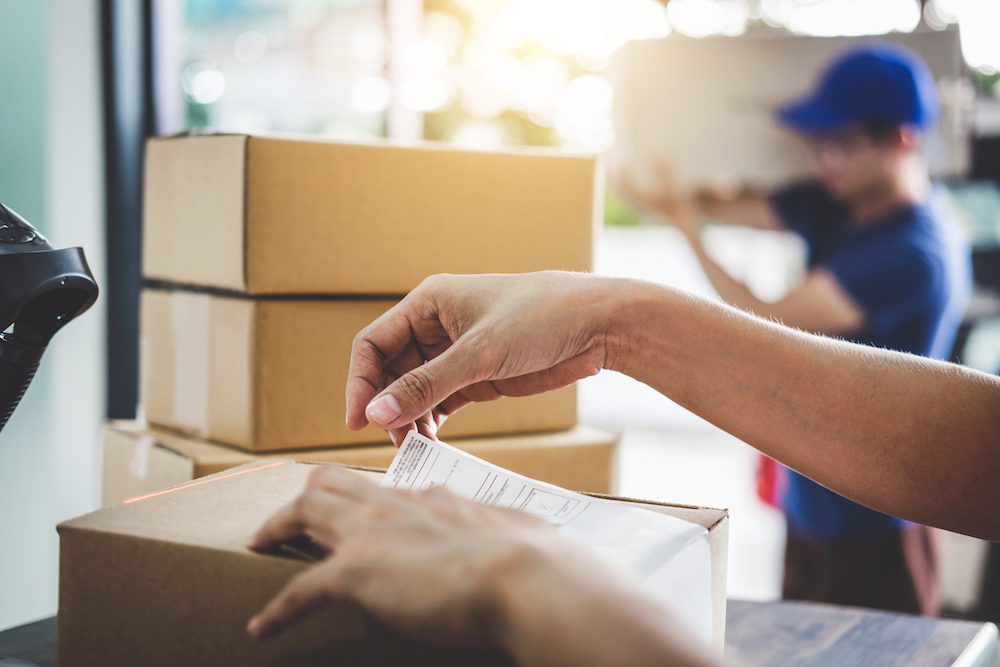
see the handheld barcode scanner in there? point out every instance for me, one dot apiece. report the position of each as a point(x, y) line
point(41, 289)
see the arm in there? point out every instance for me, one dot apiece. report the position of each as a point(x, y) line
point(819, 304)
point(905, 435)
point(911, 437)
point(748, 210)
point(684, 209)
point(444, 569)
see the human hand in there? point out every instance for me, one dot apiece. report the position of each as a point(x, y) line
point(427, 563)
point(714, 194)
point(458, 339)
point(666, 199)
point(443, 569)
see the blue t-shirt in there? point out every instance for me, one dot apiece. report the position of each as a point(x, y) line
point(910, 273)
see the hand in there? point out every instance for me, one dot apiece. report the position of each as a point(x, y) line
point(447, 570)
point(666, 199)
point(459, 339)
point(425, 562)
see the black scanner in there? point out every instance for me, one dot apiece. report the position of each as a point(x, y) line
point(41, 289)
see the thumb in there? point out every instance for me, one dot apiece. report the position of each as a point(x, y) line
point(417, 392)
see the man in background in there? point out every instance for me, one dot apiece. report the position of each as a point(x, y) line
point(886, 267)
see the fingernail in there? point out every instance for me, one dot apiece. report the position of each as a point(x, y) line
point(253, 627)
point(384, 410)
point(252, 540)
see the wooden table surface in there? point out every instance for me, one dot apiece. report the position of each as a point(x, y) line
point(800, 634)
point(785, 634)
point(34, 642)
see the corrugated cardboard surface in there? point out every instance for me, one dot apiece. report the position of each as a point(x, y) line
point(303, 215)
point(192, 209)
point(139, 459)
point(168, 581)
point(269, 374)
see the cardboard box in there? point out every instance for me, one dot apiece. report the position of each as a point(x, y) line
point(168, 580)
point(304, 215)
point(140, 459)
point(268, 374)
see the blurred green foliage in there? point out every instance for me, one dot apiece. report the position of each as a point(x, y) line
point(197, 115)
point(618, 211)
point(984, 83)
point(520, 129)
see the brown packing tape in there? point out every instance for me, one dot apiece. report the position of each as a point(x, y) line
point(191, 326)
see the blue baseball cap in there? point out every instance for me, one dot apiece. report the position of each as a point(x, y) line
point(881, 82)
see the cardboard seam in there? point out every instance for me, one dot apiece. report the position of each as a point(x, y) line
point(256, 388)
point(191, 322)
point(170, 286)
point(344, 465)
point(246, 211)
point(606, 496)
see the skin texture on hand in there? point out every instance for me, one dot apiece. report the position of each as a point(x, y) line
point(459, 339)
point(419, 561)
point(908, 436)
point(444, 569)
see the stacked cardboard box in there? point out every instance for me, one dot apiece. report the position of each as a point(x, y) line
point(264, 257)
point(140, 459)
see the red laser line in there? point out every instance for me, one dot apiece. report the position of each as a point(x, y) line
point(204, 481)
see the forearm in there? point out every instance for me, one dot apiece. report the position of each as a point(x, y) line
point(564, 614)
point(748, 211)
point(731, 290)
point(905, 435)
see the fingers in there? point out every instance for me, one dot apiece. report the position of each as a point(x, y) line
point(303, 595)
point(561, 375)
point(317, 512)
point(427, 426)
point(285, 525)
point(402, 339)
point(343, 482)
point(397, 435)
point(420, 390)
point(664, 171)
point(626, 183)
point(638, 197)
point(363, 381)
point(373, 347)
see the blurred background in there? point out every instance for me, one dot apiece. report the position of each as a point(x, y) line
point(693, 81)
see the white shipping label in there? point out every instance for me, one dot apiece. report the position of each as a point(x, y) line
point(633, 539)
